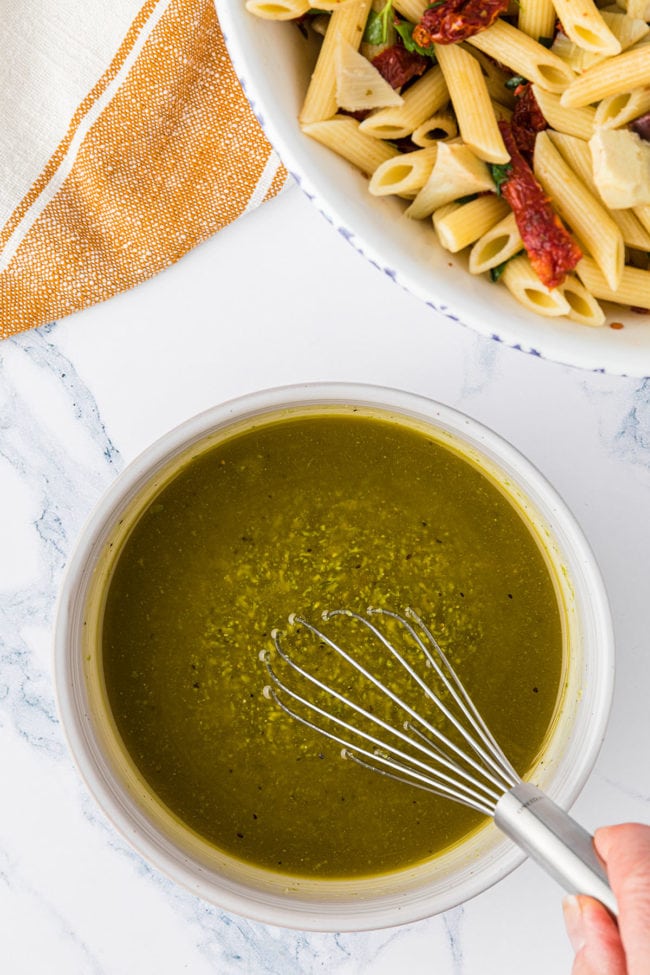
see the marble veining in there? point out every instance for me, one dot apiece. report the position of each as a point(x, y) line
point(63, 490)
point(633, 436)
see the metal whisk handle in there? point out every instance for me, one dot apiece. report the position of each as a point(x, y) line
point(555, 841)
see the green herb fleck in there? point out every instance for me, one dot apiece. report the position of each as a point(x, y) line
point(500, 173)
point(376, 31)
point(496, 272)
point(514, 82)
point(405, 30)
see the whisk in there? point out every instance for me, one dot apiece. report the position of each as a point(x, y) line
point(461, 761)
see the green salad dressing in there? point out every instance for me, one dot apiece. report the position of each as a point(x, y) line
point(299, 515)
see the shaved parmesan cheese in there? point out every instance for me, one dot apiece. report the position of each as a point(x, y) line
point(457, 172)
point(621, 167)
point(359, 85)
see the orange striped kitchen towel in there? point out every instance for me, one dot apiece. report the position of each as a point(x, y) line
point(125, 139)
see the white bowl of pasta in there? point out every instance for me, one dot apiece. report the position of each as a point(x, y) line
point(461, 146)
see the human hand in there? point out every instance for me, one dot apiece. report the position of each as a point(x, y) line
point(602, 947)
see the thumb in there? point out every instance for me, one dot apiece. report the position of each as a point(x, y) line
point(626, 852)
point(594, 937)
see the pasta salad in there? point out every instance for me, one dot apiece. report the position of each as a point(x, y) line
point(519, 128)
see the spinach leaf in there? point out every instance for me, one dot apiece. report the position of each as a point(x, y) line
point(500, 173)
point(405, 30)
point(496, 272)
point(376, 31)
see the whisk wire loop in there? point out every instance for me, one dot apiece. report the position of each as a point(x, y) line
point(433, 781)
point(472, 788)
point(480, 786)
point(497, 771)
point(521, 810)
point(469, 709)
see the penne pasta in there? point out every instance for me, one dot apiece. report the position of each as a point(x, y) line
point(537, 18)
point(577, 155)
point(328, 5)
point(457, 172)
point(403, 174)
point(346, 24)
point(524, 55)
point(460, 224)
point(496, 246)
point(643, 216)
point(432, 130)
point(617, 110)
point(278, 9)
point(342, 135)
point(494, 76)
point(524, 285)
point(411, 9)
point(633, 288)
point(576, 57)
point(471, 101)
point(635, 8)
point(574, 121)
point(611, 77)
point(585, 215)
point(626, 29)
point(501, 112)
point(583, 307)
point(583, 24)
point(424, 97)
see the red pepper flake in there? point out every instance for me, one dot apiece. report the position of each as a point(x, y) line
point(397, 65)
point(450, 21)
point(616, 325)
point(550, 248)
point(527, 120)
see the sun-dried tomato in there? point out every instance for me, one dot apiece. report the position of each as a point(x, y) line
point(550, 248)
point(397, 65)
point(455, 20)
point(527, 120)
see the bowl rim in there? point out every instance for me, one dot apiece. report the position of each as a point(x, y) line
point(197, 428)
point(553, 344)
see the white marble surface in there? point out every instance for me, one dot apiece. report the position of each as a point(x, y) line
point(260, 305)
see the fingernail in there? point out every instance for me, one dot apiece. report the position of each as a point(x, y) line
point(574, 921)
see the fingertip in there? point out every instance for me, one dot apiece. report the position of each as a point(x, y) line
point(573, 921)
point(604, 836)
point(594, 937)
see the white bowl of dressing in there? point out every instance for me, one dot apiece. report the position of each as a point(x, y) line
point(328, 905)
